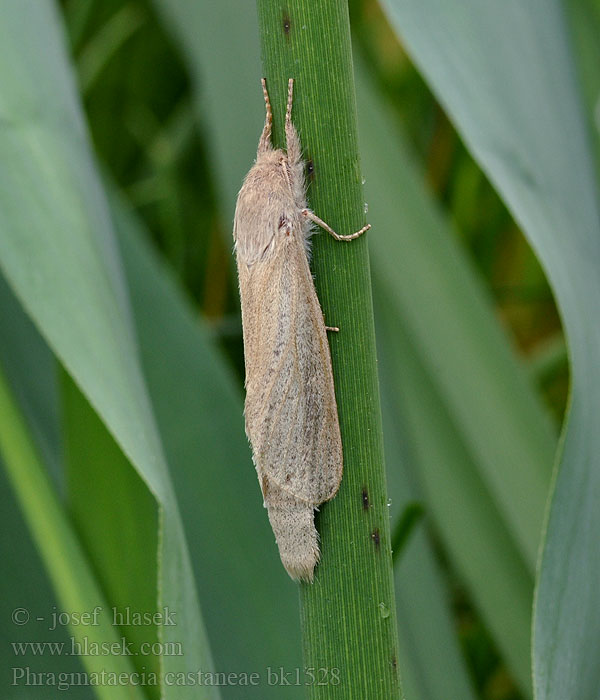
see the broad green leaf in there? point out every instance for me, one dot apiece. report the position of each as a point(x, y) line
point(465, 399)
point(199, 410)
point(507, 77)
point(58, 254)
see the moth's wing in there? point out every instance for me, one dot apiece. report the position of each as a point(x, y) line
point(291, 413)
point(254, 227)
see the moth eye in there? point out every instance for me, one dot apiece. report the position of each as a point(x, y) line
point(284, 225)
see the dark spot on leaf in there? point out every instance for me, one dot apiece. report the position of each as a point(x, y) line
point(376, 538)
point(287, 24)
point(288, 478)
point(365, 498)
point(310, 169)
point(394, 662)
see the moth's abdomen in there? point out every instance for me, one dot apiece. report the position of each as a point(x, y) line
point(297, 539)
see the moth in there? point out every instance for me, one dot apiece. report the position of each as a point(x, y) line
point(290, 409)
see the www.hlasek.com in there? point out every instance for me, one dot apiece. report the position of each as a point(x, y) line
point(25, 676)
point(84, 646)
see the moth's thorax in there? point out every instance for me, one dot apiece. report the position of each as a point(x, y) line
point(271, 171)
point(266, 208)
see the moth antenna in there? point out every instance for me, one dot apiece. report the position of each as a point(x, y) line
point(291, 135)
point(264, 143)
point(290, 99)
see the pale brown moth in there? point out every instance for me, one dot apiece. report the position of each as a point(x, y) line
point(290, 409)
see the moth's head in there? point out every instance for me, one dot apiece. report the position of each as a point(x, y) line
point(270, 164)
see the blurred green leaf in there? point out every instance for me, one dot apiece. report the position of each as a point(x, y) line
point(30, 370)
point(467, 404)
point(58, 254)
point(228, 101)
point(430, 660)
point(584, 16)
point(27, 586)
point(117, 520)
point(506, 74)
point(32, 373)
point(108, 40)
point(73, 580)
point(469, 524)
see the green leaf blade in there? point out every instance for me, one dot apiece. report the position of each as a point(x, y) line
point(58, 253)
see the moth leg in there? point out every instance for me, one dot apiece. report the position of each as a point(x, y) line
point(313, 217)
point(330, 328)
point(264, 143)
